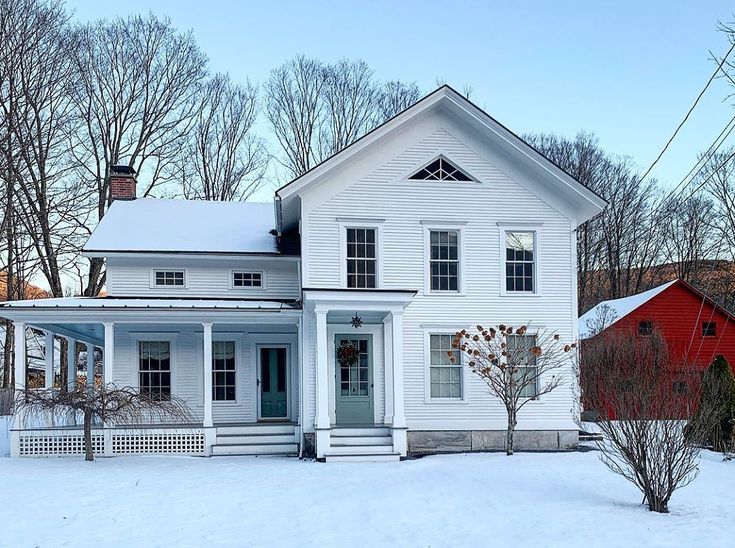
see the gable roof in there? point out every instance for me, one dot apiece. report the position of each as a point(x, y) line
point(624, 306)
point(587, 203)
point(149, 225)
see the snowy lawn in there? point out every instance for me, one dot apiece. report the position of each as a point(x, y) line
point(562, 499)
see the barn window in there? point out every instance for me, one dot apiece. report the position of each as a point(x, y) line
point(709, 329)
point(645, 327)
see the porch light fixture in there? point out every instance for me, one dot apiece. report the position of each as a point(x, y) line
point(356, 321)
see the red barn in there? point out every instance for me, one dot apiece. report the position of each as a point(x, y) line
point(695, 328)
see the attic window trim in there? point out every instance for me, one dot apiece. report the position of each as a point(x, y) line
point(169, 273)
point(437, 175)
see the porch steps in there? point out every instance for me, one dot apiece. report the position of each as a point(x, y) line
point(256, 439)
point(361, 444)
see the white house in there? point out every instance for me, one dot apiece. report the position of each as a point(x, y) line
point(437, 220)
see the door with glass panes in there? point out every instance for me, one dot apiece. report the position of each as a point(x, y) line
point(354, 381)
point(273, 382)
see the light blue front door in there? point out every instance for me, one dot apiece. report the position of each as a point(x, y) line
point(354, 382)
point(273, 383)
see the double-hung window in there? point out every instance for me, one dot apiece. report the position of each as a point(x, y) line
point(444, 260)
point(523, 362)
point(223, 370)
point(362, 258)
point(154, 369)
point(168, 278)
point(520, 261)
point(445, 375)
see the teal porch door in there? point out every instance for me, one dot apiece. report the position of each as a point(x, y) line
point(354, 382)
point(273, 383)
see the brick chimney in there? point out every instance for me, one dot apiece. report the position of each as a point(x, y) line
point(122, 183)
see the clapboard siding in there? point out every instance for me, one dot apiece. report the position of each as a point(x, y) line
point(384, 193)
point(187, 365)
point(206, 278)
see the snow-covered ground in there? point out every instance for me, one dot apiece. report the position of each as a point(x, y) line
point(552, 499)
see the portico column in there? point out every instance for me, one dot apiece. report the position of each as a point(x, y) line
point(90, 365)
point(48, 353)
point(322, 422)
point(207, 375)
point(400, 444)
point(20, 355)
point(109, 354)
point(388, 361)
point(71, 363)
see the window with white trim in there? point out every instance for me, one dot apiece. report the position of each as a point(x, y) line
point(168, 278)
point(154, 369)
point(520, 267)
point(445, 375)
point(444, 260)
point(223, 370)
point(523, 361)
point(247, 279)
point(362, 259)
point(440, 170)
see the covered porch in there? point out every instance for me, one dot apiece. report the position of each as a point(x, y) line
point(358, 401)
point(234, 364)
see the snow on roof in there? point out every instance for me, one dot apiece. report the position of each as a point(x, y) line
point(151, 224)
point(607, 313)
point(111, 302)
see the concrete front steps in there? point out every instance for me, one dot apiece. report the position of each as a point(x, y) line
point(256, 439)
point(372, 444)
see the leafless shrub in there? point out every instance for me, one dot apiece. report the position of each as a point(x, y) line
point(106, 403)
point(518, 365)
point(644, 400)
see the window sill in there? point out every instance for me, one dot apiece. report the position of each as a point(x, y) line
point(445, 294)
point(446, 401)
point(516, 294)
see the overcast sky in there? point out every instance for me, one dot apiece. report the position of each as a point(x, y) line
point(625, 70)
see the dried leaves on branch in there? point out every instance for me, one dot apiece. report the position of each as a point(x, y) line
point(108, 404)
point(644, 400)
point(518, 365)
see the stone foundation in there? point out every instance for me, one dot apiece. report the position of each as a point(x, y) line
point(309, 445)
point(426, 442)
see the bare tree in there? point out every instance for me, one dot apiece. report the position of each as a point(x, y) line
point(688, 227)
point(517, 365)
point(138, 96)
point(317, 109)
point(293, 95)
point(106, 403)
point(397, 96)
point(617, 249)
point(224, 159)
point(643, 399)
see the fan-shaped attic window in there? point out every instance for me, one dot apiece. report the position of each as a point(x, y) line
point(440, 170)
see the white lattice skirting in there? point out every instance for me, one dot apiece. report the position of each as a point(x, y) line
point(57, 443)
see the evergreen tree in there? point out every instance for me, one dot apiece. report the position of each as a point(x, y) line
point(718, 388)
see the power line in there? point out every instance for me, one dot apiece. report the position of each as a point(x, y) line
point(689, 112)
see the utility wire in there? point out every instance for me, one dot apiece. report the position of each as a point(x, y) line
point(689, 112)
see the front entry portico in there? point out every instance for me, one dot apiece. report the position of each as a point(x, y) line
point(368, 393)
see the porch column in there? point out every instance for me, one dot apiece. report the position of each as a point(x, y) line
point(48, 354)
point(388, 367)
point(322, 423)
point(20, 355)
point(90, 365)
point(71, 363)
point(207, 375)
point(400, 442)
point(109, 353)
